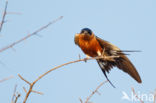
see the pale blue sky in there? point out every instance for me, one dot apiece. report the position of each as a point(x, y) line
point(129, 24)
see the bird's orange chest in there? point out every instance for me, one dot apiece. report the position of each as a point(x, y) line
point(90, 47)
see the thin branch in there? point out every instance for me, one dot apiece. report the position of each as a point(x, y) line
point(4, 22)
point(33, 91)
point(37, 92)
point(29, 35)
point(14, 13)
point(137, 95)
point(95, 91)
point(14, 94)
point(154, 96)
point(24, 79)
point(5, 79)
point(14, 97)
point(80, 100)
point(4, 15)
point(24, 90)
point(17, 97)
point(44, 74)
point(99, 57)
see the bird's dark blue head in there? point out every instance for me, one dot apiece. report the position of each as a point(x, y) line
point(86, 31)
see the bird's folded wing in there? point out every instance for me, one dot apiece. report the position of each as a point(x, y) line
point(122, 62)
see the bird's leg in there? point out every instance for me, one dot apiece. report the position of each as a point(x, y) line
point(87, 57)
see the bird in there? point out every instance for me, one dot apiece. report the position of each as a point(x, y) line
point(93, 46)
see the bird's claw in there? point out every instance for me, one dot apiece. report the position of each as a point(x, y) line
point(85, 60)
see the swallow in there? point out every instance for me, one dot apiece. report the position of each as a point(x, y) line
point(94, 46)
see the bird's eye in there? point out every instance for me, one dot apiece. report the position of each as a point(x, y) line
point(82, 31)
point(86, 31)
point(89, 32)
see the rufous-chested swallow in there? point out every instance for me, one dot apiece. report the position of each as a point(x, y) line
point(94, 46)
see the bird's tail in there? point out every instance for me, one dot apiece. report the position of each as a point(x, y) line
point(104, 72)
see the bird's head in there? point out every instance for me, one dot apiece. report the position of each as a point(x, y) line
point(86, 34)
point(86, 31)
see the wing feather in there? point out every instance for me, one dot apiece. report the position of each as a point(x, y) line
point(122, 62)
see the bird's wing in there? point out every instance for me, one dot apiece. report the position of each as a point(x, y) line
point(122, 62)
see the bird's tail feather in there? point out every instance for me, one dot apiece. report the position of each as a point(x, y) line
point(104, 72)
point(108, 79)
point(128, 50)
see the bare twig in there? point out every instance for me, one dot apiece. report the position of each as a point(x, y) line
point(5, 79)
point(24, 79)
point(24, 90)
point(137, 95)
point(37, 92)
point(14, 94)
point(154, 96)
point(80, 100)
point(29, 35)
point(4, 15)
point(99, 57)
point(14, 13)
point(3, 22)
point(14, 97)
point(41, 76)
point(18, 95)
point(33, 91)
point(95, 91)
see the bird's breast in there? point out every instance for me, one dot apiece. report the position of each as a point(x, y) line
point(90, 47)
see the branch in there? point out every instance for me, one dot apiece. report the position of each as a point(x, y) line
point(24, 90)
point(4, 15)
point(95, 91)
point(24, 79)
point(29, 35)
point(14, 13)
point(44, 74)
point(33, 91)
point(137, 95)
point(154, 96)
point(80, 100)
point(14, 94)
point(37, 92)
point(5, 79)
point(14, 97)
point(18, 95)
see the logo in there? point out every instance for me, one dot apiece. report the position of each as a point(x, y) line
point(143, 96)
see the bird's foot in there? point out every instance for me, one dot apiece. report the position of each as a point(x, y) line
point(85, 59)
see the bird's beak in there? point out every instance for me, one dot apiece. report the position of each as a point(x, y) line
point(77, 34)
